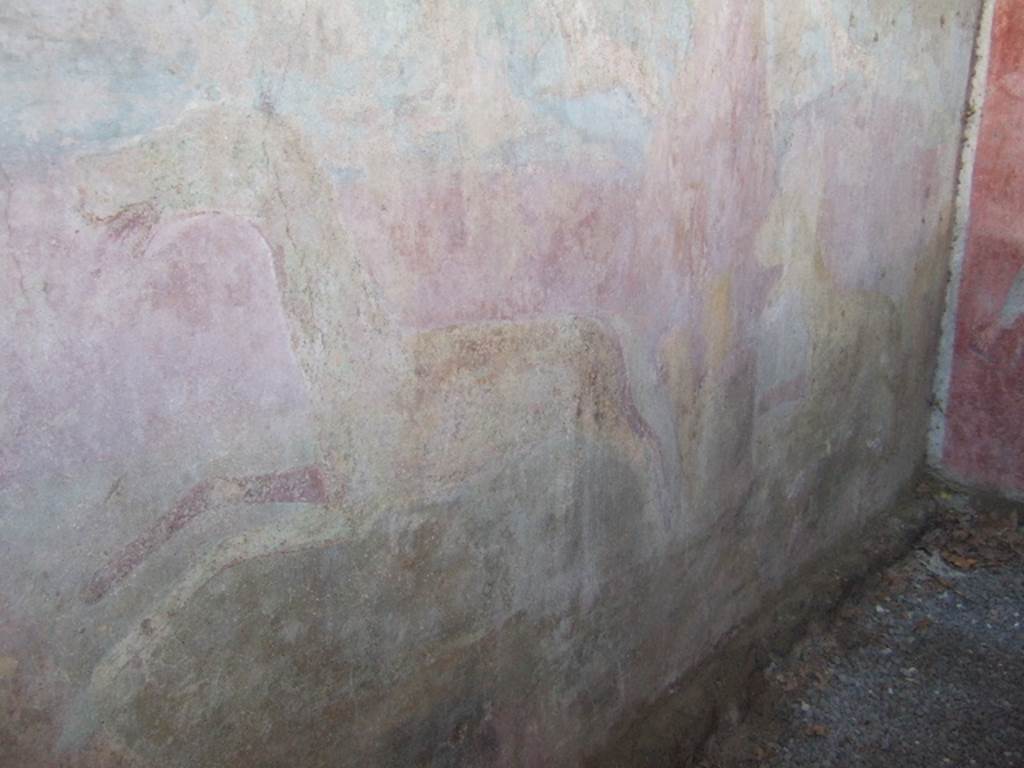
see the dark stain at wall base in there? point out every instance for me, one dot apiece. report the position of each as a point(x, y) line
point(671, 729)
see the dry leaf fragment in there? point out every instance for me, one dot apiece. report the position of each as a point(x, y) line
point(959, 561)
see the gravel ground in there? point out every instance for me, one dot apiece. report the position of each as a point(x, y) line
point(923, 667)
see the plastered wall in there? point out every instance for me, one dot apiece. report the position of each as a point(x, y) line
point(436, 383)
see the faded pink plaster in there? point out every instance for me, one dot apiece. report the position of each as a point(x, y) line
point(985, 416)
point(158, 332)
point(541, 240)
point(873, 223)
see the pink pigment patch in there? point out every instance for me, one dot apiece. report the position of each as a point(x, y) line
point(134, 334)
point(304, 485)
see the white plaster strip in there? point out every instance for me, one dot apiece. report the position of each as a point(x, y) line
point(961, 231)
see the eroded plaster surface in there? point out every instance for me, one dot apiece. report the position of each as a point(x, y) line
point(401, 383)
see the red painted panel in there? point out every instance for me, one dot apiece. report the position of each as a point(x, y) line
point(985, 427)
